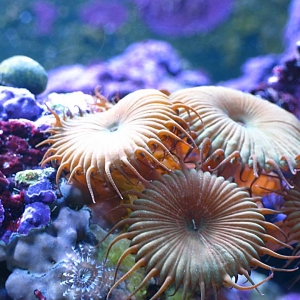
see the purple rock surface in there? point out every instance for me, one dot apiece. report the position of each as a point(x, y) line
point(35, 215)
point(18, 103)
point(40, 192)
point(146, 64)
point(37, 259)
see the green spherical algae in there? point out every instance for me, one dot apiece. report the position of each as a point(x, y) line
point(23, 72)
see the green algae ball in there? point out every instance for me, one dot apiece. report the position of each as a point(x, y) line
point(23, 72)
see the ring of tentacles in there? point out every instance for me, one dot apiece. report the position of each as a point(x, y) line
point(138, 134)
point(195, 230)
point(263, 136)
point(84, 277)
point(291, 208)
point(188, 228)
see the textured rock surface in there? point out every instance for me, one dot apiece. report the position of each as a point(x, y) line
point(36, 260)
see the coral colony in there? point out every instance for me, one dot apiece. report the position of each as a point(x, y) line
point(158, 184)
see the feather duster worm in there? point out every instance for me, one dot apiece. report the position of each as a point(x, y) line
point(266, 136)
point(85, 278)
point(196, 230)
point(133, 138)
point(291, 208)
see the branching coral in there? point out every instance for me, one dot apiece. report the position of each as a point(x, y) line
point(132, 138)
point(197, 230)
point(266, 136)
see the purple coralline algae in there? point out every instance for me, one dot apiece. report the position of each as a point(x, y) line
point(146, 64)
point(39, 260)
point(35, 215)
point(183, 18)
point(67, 79)
point(23, 107)
point(26, 209)
point(13, 208)
point(109, 15)
point(18, 139)
point(41, 191)
point(18, 103)
point(3, 182)
point(1, 213)
point(18, 152)
point(29, 208)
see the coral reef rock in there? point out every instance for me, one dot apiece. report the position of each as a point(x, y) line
point(37, 261)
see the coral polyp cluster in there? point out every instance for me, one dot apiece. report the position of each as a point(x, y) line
point(265, 136)
point(196, 230)
point(189, 163)
point(129, 140)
